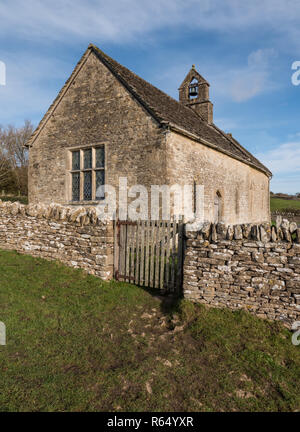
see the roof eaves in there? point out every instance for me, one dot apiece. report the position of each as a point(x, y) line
point(188, 134)
point(242, 149)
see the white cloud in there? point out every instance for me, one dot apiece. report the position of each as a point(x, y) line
point(294, 136)
point(282, 159)
point(227, 124)
point(246, 82)
point(238, 83)
point(125, 19)
point(284, 162)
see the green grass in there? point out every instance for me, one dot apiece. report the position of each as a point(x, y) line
point(75, 343)
point(282, 204)
point(21, 199)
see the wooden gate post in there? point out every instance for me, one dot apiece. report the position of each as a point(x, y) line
point(116, 248)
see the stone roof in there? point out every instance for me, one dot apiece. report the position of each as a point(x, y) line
point(166, 110)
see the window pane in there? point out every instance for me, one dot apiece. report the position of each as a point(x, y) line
point(99, 182)
point(87, 158)
point(87, 186)
point(100, 157)
point(76, 160)
point(75, 186)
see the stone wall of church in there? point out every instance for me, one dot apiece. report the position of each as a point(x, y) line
point(96, 109)
point(244, 190)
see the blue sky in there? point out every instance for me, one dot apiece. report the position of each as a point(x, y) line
point(244, 49)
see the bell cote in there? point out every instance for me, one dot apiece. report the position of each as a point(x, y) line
point(194, 93)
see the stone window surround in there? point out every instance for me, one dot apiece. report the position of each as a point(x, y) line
point(69, 171)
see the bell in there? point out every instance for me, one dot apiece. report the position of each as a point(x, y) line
point(193, 90)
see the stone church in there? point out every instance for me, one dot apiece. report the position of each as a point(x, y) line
point(107, 122)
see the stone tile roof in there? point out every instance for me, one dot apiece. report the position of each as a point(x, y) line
point(165, 110)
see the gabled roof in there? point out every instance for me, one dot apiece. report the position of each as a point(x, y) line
point(164, 109)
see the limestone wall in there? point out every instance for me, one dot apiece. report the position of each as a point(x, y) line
point(75, 237)
point(96, 109)
point(244, 190)
point(250, 267)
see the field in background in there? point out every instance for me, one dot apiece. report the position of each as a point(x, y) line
point(281, 204)
point(21, 199)
point(76, 343)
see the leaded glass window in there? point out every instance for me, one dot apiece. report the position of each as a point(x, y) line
point(100, 157)
point(87, 158)
point(87, 185)
point(76, 160)
point(99, 182)
point(87, 174)
point(75, 186)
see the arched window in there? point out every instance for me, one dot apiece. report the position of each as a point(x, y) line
point(217, 207)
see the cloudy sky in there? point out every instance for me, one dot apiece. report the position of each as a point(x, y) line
point(244, 49)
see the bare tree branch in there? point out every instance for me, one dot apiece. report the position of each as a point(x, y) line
point(14, 155)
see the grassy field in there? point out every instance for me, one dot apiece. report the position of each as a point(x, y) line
point(75, 343)
point(21, 199)
point(281, 204)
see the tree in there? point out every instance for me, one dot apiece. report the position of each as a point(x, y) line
point(14, 156)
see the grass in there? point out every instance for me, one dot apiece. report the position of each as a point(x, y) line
point(76, 343)
point(283, 204)
point(21, 199)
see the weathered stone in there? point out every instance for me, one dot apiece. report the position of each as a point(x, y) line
point(286, 234)
point(258, 257)
point(238, 234)
point(263, 235)
point(278, 221)
point(230, 232)
point(285, 224)
point(206, 230)
point(255, 233)
point(214, 235)
point(273, 234)
point(221, 230)
point(260, 275)
point(247, 230)
point(293, 227)
point(45, 232)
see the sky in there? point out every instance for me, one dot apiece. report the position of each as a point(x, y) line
point(245, 50)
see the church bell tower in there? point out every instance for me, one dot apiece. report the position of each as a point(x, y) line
point(194, 93)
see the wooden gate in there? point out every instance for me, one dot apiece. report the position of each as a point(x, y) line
point(149, 253)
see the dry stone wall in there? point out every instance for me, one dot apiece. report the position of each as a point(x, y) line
point(252, 267)
point(75, 237)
